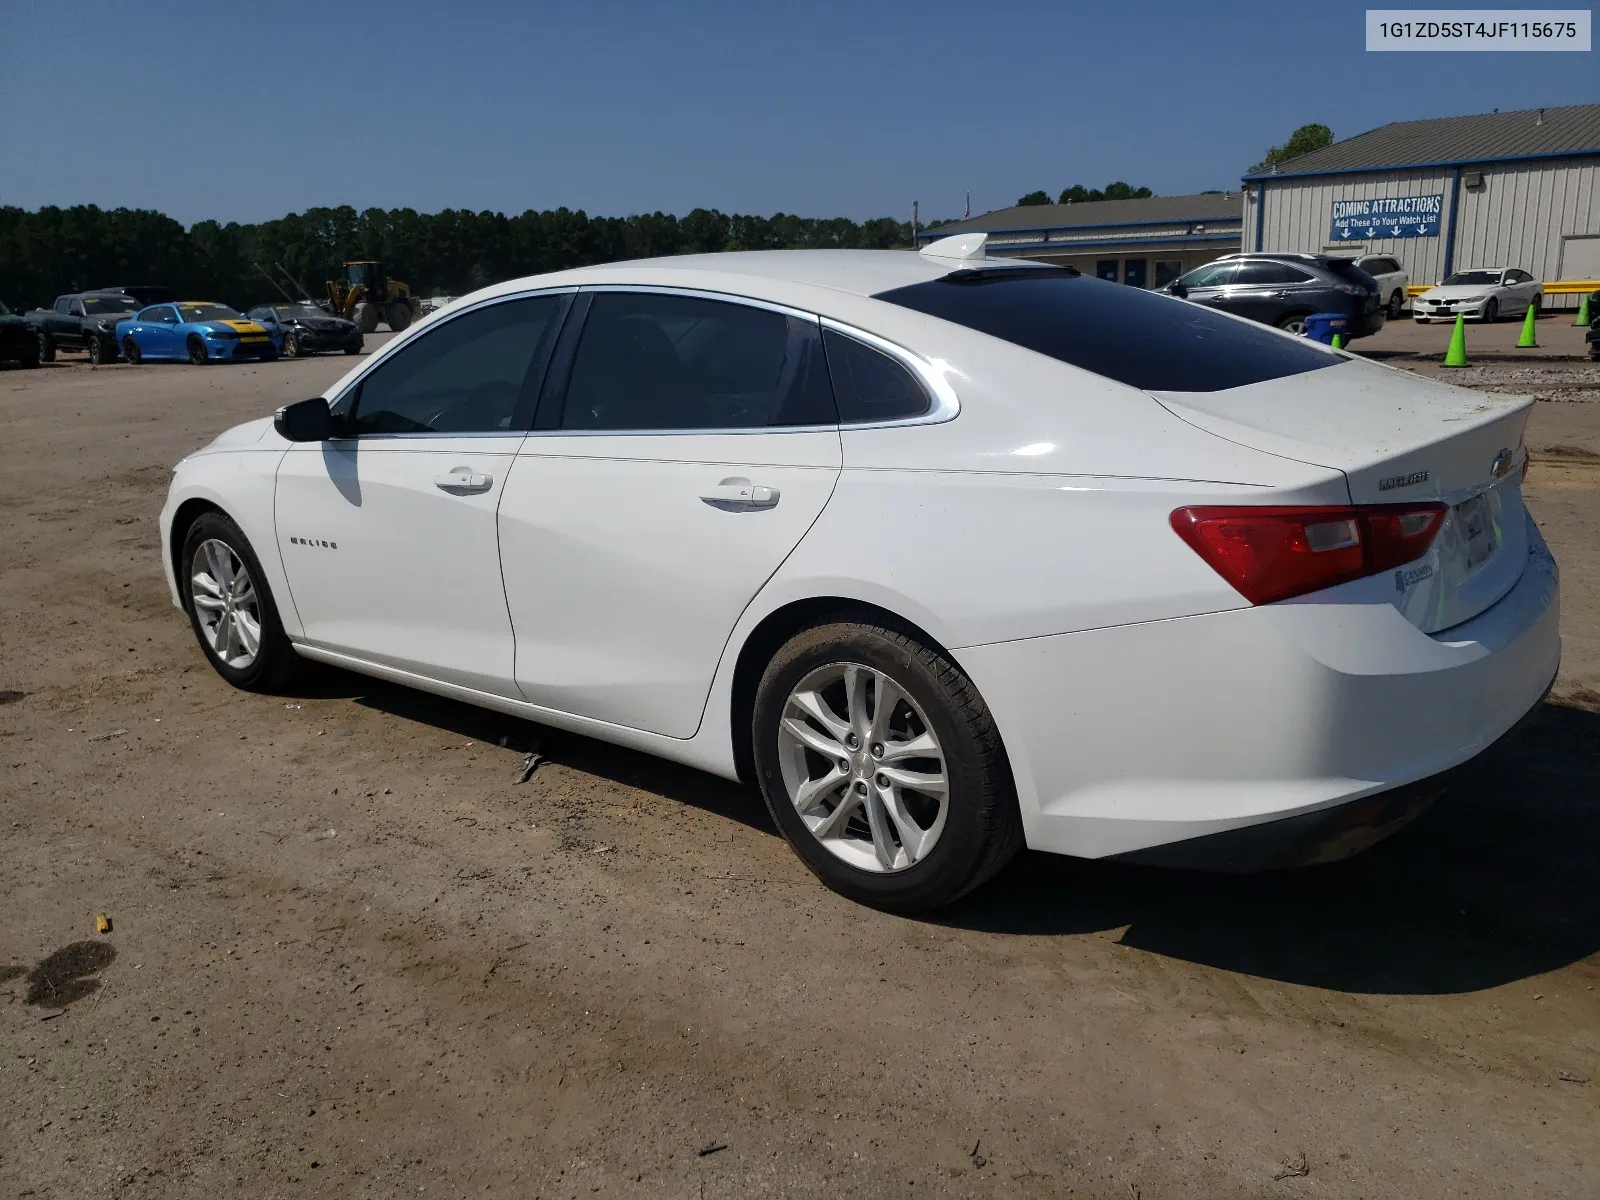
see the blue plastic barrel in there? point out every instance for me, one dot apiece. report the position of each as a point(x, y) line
point(1322, 326)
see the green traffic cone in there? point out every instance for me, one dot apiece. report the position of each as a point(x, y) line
point(1583, 310)
point(1338, 341)
point(1528, 341)
point(1456, 356)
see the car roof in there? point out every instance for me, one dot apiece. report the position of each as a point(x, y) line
point(1461, 270)
point(858, 272)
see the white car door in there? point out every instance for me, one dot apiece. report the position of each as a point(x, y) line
point(388, 532)
point(684, 446)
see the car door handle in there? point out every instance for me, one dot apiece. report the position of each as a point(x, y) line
point(463, 481)
point(738, 494)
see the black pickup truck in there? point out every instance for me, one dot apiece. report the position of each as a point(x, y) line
point(83, 321)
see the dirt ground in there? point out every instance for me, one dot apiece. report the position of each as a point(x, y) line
point(350, 956)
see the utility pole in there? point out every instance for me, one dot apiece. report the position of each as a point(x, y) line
point(913, 224)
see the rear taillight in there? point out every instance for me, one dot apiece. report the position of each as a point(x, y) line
point(1271, 554)
point(1350, 289)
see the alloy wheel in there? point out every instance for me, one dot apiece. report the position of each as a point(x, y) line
point(1294, 325)
point(225, 603)
point(863, 767)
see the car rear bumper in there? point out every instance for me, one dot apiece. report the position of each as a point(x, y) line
point(1325, 835)
point(1142, 736)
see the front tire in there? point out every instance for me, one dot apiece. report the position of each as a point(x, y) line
point(96, 350)
point(47, 349)
point(131, 352)
point(1491, 312)
point(231, 609)
point(399, 317)
point(291, 345)
point(366, 317)
point(198, 354)
point(882, 766)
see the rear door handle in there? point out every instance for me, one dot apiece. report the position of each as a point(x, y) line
point(738, 494)
point(463, 481)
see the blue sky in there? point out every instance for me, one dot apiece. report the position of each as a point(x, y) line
point(247, 110)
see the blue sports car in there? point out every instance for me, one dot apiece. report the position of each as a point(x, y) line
point(195, 330)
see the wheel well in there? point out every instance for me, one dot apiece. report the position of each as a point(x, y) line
point(776, 628)
point(188, 512)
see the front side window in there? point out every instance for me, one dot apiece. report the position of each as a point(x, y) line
point(1210, 275)
point(465, 376)
point(1139, 338)
point(158, 315)
point(654, 361)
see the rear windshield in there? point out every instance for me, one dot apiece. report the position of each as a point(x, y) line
point(1143, 339)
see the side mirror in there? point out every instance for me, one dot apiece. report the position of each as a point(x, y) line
point(307, 421)
point(1177, 289)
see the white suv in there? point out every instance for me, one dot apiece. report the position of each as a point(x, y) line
point(1391, 277)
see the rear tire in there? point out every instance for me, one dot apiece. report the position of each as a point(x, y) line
point(875, 857)
point(198, 354)
point(211, 540)
point(130, 351)
point(399, 317)
point(47, 349)
point(1295, 324)
point(1397, 304)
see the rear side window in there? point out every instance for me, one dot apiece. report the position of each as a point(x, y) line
point(869, 385)
point(1139, 338)
point(1270, 272)
point(655, 361)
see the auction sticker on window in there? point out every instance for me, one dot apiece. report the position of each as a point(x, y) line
point(1496, 29)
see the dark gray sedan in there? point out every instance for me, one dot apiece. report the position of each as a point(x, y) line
point(306, 329)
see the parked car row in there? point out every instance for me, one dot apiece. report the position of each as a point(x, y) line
point(1285, 289)
point(140, 323)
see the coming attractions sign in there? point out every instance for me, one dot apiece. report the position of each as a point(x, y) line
point(1393, 217)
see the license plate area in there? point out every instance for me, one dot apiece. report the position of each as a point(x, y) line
point(1475, 518)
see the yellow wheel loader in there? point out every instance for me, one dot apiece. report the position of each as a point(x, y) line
point(366, 295)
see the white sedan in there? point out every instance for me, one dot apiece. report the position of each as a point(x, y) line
point(949, 554)
point(1482, 293)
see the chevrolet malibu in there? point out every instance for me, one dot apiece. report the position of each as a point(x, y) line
point(948, 554)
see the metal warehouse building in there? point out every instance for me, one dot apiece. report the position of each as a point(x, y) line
point(1147, 243)
point(1514, 189)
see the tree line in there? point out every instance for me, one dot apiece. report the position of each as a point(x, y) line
point(52, 251)
point(1078, 194)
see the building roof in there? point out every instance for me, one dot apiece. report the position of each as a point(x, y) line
point(1151, 210)
point(1527, 133)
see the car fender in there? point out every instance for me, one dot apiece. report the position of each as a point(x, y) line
point(241, 484)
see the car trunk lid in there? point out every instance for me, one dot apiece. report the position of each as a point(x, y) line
point(1397, 438)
